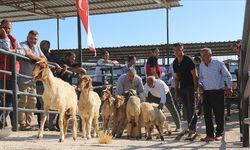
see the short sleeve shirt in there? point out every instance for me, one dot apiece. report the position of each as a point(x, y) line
point(183, 71)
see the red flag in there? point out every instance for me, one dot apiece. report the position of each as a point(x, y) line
point(83, 11)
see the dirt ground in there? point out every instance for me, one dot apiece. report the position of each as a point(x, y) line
point(27, 140)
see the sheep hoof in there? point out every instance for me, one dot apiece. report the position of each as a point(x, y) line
point(39, 136)
point(149, 138)
point(162, 138)
point(169, 133)
point(60, 140)
point(134, 124)
point(74, 138)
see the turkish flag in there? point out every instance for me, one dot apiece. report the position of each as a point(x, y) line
point(83, 11)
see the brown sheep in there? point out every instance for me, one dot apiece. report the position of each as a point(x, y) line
point(107, 109)
point(119, 117)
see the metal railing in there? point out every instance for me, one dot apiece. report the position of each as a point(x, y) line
point(15, 93)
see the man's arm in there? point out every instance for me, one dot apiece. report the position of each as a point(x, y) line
point(194, 76)
point(32, 56)
point(140, 85)
point(119, 87)
point(78, 70)
point(176, 87)
point(152, 69)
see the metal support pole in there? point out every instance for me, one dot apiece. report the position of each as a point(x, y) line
point(79, 35)
point(112, 79)
point(14, 90)
point(244, 64)
point(58, 33)
point(167, 48)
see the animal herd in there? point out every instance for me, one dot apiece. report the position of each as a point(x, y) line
point(118, 113)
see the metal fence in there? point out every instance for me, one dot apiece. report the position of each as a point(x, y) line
point(15, 92)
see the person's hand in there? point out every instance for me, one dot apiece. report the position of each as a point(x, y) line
point(115, 62)
point(160, 106)
point(58, 67)
point(81, 71)
point(197, 97)
point(229, 92)
point(176, 97)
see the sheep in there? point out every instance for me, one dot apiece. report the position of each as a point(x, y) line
point(119, 117)
point(58, 95)
point(107, 109)
point(133, 113)
point(89, 106)
point(151, 116)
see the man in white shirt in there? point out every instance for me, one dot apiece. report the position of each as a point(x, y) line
point(158, 92)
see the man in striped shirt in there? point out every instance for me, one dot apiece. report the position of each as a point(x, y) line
point(212, 74)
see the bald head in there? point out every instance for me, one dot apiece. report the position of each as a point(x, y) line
point(151, 81)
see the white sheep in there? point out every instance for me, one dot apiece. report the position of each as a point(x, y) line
point(133, 113)
point(107, 110)
point(58, 95)
point(89, 106)
point(152, 116)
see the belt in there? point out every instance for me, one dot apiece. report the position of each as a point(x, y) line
point(214, 90)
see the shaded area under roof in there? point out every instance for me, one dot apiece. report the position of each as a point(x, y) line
point(142, 51)
point(24, 10)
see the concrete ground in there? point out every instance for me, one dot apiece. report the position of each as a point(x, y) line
point(27, 140)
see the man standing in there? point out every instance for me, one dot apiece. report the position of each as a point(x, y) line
point(212, 74)
point(5, 64)
point(127, 81)
point(160, 94)
point(26, 85)
point(152, 66)
point(185, 75)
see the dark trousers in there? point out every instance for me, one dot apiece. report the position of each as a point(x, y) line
point(213, 100)
point(8, 102)
point(170, 106)
point(187, 99)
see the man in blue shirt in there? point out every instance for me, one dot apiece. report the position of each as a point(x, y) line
point(212, 74)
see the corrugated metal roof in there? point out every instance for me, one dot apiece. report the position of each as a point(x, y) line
point(222, 48)
point(23, 10)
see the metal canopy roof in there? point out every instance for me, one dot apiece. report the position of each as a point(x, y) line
point(223, 48)
point(24, 10)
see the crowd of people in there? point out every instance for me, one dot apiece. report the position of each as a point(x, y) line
point(188, 78)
